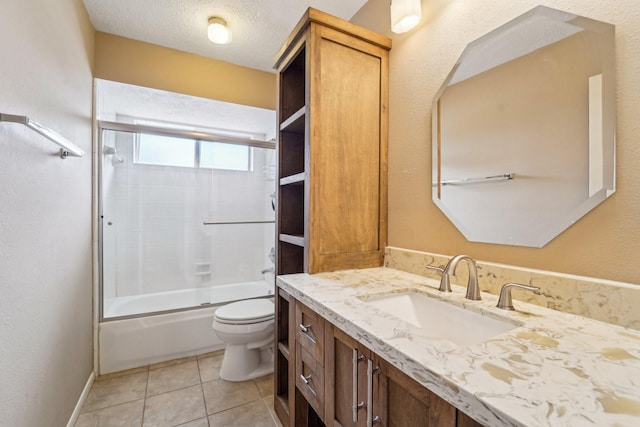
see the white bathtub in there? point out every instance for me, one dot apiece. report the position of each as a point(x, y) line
point(163, 301)
point(129, 343)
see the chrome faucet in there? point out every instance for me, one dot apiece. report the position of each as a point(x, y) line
point(473, 291)
point(505, 302)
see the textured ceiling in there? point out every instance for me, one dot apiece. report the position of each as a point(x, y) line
point(259, 27)
point(115, 100)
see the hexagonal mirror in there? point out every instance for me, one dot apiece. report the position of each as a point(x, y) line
point(524, 129)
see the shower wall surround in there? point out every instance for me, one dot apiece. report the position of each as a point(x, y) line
point(153, 224)
point(605, 300)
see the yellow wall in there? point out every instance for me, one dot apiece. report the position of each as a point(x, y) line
point(143, 64)
point(603, 244)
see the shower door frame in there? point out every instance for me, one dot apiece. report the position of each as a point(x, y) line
point(103, 126)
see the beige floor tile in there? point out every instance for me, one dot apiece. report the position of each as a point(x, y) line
point(254, 414)
point(265, 385)
point(220, 395)
point(210, 367)
point(202, 422)
point(173, 377)
point(172, 362)
point(174, 408)
point(123, 415)
point(113, 391)
point(268, 401)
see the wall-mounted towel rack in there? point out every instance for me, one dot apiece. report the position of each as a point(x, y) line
point(237, 222)
point(504, 176)
point(68, 149)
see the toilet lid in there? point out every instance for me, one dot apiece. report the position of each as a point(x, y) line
point(255, 310)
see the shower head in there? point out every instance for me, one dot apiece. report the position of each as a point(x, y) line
point(109, 150)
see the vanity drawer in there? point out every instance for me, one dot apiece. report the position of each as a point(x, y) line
point(310, 331)
point(310, 379)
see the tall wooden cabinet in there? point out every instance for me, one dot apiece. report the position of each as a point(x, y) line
point(332, 185)
point(332, 146)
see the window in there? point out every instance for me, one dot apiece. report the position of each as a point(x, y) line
point(165, 151)
point(219, 155)
point(173, 151)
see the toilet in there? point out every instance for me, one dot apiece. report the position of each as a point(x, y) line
point(247, 329)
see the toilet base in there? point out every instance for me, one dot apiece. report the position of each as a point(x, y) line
point(241, 364)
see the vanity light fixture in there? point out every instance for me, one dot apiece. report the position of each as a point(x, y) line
point(218, 32)
point(405, 14)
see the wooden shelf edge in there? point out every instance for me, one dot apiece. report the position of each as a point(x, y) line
point(292, 239)
point(294, 118)
point(284, 350)
point(281, 408)
point(293, 179)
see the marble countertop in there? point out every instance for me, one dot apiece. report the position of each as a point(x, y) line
point(556, 369)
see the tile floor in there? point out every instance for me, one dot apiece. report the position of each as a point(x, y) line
point(184, 392)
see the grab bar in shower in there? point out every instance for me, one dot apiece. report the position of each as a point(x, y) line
point(68, 149)
point(237, 222)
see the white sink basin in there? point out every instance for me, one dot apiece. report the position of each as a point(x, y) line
point(439, 319)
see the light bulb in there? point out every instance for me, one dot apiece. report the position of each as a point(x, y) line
point(405, 14)
point(218, 32)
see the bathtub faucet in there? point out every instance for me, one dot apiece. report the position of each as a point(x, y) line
point(267, 270)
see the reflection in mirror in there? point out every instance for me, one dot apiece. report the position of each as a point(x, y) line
point(524, 129)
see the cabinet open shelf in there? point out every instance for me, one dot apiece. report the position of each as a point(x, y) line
point(293, 179)
point(294, 239)
point(295, 123)
point(284, 350)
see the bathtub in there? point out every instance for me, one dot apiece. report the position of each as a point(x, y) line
point(132, 342)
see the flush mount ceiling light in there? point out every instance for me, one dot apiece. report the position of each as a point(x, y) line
point(218, 32)
point(405, 14)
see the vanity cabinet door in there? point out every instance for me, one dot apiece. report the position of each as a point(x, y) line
point(401, 401)
point(345, 379)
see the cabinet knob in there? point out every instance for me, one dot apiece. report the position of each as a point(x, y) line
point(305, 380)
point(305, 328)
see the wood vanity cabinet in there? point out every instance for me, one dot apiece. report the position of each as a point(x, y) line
point(332, 146)
point(340, 382)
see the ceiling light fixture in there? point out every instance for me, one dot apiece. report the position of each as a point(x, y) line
point(218, 32)
point(405, 14)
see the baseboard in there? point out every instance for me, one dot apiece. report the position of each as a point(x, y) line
point(81, 400)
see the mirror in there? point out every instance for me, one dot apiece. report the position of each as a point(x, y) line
point(524, 129)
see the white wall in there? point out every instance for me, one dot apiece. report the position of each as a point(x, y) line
point(46, 345)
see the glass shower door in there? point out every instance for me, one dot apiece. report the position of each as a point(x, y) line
point(187, 220)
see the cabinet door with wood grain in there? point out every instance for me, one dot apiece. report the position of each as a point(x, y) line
point(345, 379)
point(403, 402)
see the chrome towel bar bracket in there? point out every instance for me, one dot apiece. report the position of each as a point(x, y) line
point(67, 148)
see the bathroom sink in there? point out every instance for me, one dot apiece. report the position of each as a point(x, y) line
point(439, 319)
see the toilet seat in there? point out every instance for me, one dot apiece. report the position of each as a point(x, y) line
point(246, 312)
